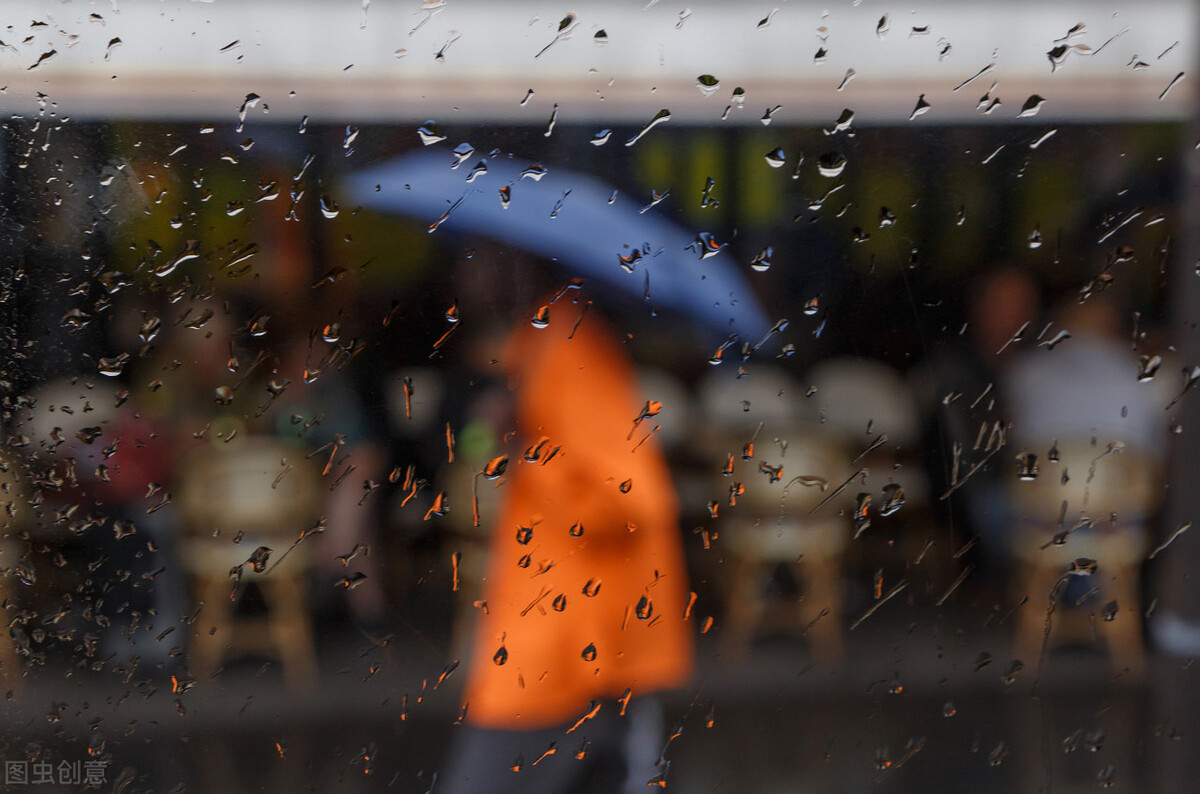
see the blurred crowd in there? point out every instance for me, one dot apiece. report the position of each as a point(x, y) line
point(181, 473)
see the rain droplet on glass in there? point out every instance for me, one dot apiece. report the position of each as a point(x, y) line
point(430, 133)
point(762, 260)
point(922, 107)
point(1031, 106)
point(831, 164)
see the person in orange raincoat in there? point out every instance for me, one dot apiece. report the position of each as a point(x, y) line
point(586, 593)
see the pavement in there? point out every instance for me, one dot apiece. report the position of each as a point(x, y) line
point(924, 699)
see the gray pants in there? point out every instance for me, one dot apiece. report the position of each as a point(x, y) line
point(620, 756)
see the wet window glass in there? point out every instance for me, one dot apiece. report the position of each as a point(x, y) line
point(450, 396)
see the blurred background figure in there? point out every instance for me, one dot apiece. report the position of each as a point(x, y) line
point(958, 388)
point(584, 611)
point(77, 508)
point(229, 492)
point(1089, 428)
point(319, 407)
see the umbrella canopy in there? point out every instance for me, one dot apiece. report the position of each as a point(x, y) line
point(573, 219)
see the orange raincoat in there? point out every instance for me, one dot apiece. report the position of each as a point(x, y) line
point(586, 588)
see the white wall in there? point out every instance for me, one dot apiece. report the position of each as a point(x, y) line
point(341, 62)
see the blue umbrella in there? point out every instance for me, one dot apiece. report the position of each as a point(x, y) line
point(573, 219)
